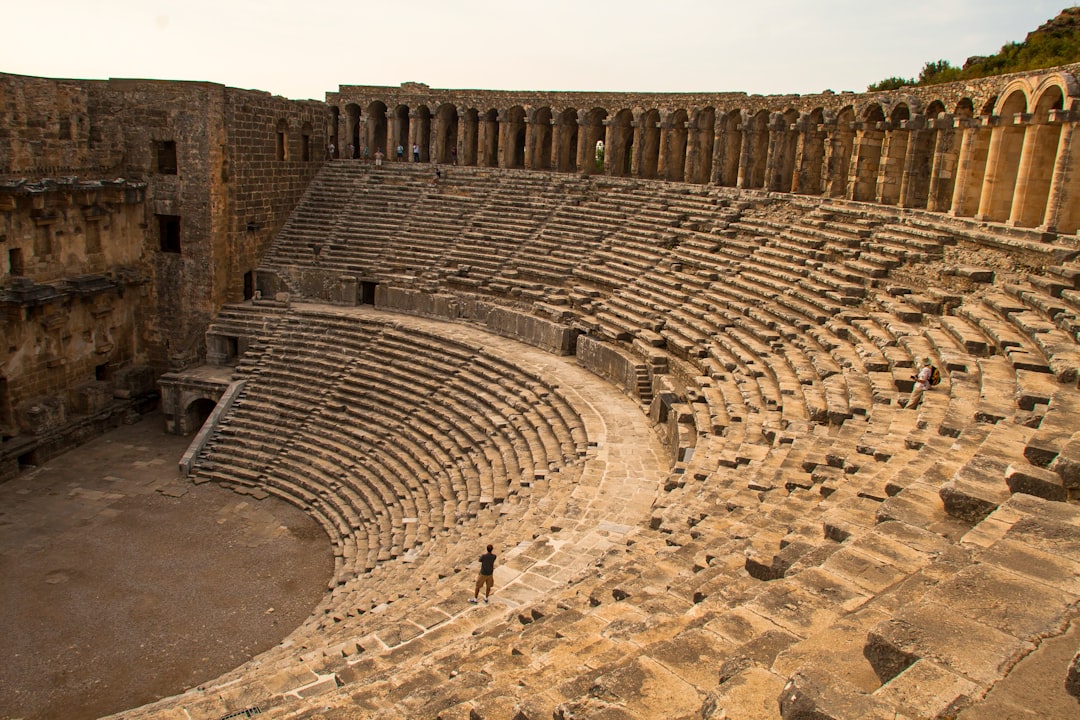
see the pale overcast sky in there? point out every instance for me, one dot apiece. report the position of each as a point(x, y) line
point(305, 49)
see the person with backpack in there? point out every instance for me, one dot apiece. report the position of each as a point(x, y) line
point(486, 578)
point(927, 377)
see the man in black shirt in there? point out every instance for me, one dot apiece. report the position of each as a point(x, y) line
point(486, 578)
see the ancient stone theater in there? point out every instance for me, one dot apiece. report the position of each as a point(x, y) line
point(659, 349)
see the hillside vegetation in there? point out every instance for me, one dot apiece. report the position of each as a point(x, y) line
point(1054, 43)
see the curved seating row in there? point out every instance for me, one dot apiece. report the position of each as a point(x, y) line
point(388, 437)
point(811, 543)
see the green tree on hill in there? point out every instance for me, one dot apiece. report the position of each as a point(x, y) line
point(1056, 42)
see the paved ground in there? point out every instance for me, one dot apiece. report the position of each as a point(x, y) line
point(122, 584)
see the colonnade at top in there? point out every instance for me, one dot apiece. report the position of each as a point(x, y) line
point(1010, 157)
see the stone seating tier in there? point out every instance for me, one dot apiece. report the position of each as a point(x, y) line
point(809, 535)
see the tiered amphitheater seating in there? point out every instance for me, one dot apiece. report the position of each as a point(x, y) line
point(387, 437)
point(813, 549)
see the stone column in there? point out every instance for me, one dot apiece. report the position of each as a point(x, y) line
point(1061, 211)
point(719, 150)
point(746, 160)
point(774, 157)
point(1037, 156)
point(798, 173)
point(530, 141)
point(1000, 182)
point(506, 154)
point(665, 140)
point(894, 150)
point(828, 161)
point(970, 168)
point(943, 166)
point(911, 167)
point(609, 144)
point(865, 162)
point(639, 146)
point(586, 161)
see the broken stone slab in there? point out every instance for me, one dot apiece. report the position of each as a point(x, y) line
point(1067, 464)
point(1036, 481)
point(1072, 677)
point(972, 649)
point(928, 690)
point(806, 697)
point(1002, 600)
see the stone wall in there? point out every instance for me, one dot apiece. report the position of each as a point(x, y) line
point(997, 149)
point(130, 211)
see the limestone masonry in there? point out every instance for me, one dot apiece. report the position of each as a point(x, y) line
point(657, 348)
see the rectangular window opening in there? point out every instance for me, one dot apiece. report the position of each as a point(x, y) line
point(166, 157)
point(169, 233)
point(305, 147)
point(280, 146)
point(15, 261)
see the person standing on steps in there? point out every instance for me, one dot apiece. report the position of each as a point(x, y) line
point(486, 578)
point(416, 153)
point(378, 157)
point(400, 153)
point(922, 383)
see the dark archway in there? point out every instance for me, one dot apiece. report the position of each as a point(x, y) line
point(352, 132)
point(446, 139)
point(676, 147)
point(868, 155)
point(540, 152)
point(376, 129)
point(423, 133)
point(400, 133)
point(701, 146)
point(513, 132)
point(620, 150)
point(197, 412)
point(567, 144)
point(731, 146)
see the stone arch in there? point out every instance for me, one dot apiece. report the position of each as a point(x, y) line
point(700, 153)
point(539, 152)
point(470, 136)
point(730, 148)
point(375, 136)
point(673, 160)
point(352, 131)
point(1003, 156)
point(196, 413)
point(810, 159)
point(893, 153)
point(306, 133)
point(866, 155)
point(841, 148)
point(620, 144)
point(335, 118)
point(755, 151)
point(446, 132)
point(1039, 155)
point(281, 140)
point(422, 132)
point(649, 160)
point(566, 144)
point(591, 132)
point(489, 138)
point(784, 146)
point(513, 136)
point(401, 129)
point(965, 108)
